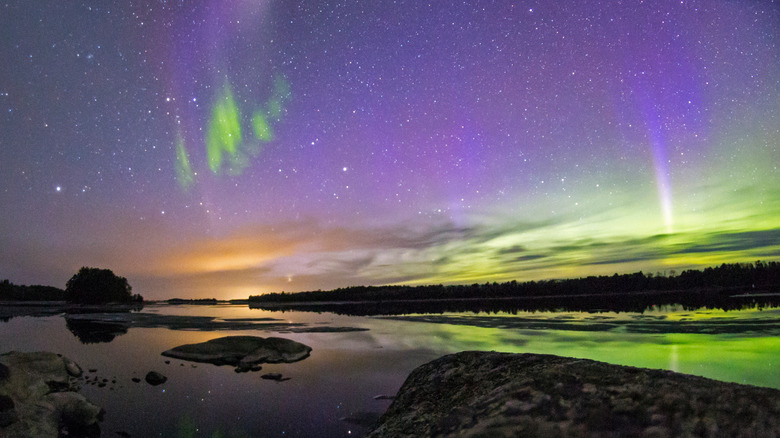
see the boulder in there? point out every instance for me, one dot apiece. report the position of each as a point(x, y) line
point(243, 352)
point(38, 397)
point(154, 378)
point(473, 394)
point(73, 369)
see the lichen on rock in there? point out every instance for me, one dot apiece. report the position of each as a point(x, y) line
point(40, 399)
point(472, 394)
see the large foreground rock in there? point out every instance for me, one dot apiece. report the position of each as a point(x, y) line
point(39, 398)
point(500, 395)
point(243, 352)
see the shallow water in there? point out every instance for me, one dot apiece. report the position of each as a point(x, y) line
point(347, 369)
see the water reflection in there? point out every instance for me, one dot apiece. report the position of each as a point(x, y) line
point(92, 332)
point(747, 320)
point(336, 386)
point(633, 303)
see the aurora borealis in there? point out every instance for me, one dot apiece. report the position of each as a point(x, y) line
point(226, 148)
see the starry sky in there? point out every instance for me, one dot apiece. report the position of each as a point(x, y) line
point(216, 148)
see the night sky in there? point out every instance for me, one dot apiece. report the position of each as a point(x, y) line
point(225, 148)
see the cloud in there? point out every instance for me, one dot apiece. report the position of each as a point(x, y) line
point(731, 242)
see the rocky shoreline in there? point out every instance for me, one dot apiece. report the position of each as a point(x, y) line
point(39, 397)
point(472, 394)
point(466, 394)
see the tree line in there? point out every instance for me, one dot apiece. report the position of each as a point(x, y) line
point(88, 286)
point(18, 292)
point(735, 277)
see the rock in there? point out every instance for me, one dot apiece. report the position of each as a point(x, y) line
point(272, 376)
point(245, 368)
point(499, 394)
point(243, 352)
point(136, 379)
point(38, 398)
point(154, 378)
point(75, 408)
point(73, 369)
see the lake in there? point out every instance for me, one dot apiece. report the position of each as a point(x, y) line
point(357, 358)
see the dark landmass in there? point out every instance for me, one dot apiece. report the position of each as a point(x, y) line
point(98, 286)
point(729, 286)
point(473, 394)
point(594, 303)
point(88, 286)
point(201, 301)
point(246, 353)
point(39, 398)
point(16, 292)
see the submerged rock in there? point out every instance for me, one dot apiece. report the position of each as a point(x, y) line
point(243, 352)
point(38, 398)
point(500, 394)
point(154, 378)
point(274, 376)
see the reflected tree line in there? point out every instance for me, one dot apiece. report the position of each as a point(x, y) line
point(712, 287)
point(91, 290)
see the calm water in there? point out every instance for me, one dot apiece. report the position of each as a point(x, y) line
point(347, 369)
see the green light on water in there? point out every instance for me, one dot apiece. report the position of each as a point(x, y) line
point(184, 174)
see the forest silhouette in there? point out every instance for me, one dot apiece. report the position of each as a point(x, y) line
point(728, 286)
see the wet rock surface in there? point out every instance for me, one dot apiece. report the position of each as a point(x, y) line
point(274, 376)
point(500, 394)
point(154, 378)
point(38, 398)
point(243, 352)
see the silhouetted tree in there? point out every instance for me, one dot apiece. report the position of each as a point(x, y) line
point(94, 285)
